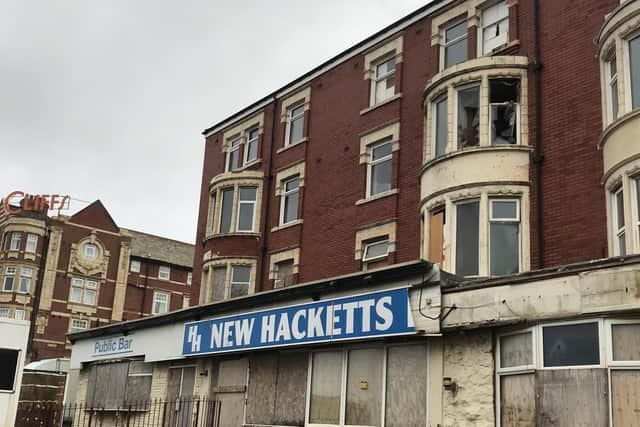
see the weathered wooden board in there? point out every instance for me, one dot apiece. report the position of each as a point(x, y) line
point(518, 400)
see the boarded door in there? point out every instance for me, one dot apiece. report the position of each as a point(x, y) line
point(625, 397)
point(229, 386)
point(180, 396)
point(518, 400)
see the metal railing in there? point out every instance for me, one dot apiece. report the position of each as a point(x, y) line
point(185, 412)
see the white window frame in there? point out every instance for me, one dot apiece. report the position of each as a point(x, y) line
point(380, 77)
point(84, 285)
point(26, 275)
point(32, 243)
point(73, 328)
point(287, 193)
point(186, 301)
point(234, 145)
point(4, 312)
point(189, 278)
point(445, 44)
point(22, 315)
point(162, 269)
point(483, 25)
point(156, 295)
point(434, 108)
point(291, 118)
point(627, 71)
point(534, 354)
point(611, 80)
point(371, 163)
point(137, 264)
point(90, 254)
point(231, 282)
point(515, 220)
point(238, 203)
point(16, 240)
point(454, 231)
point(616, 229)
point(250, 141)
point(367, 247)
point(12, 272)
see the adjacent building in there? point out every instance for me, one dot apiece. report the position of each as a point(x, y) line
point(438, 226)
point(70, 273)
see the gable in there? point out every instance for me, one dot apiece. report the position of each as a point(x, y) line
point(95, 216)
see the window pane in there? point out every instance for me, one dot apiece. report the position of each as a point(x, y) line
point(227, 208)
point(377, 249)
point(467, 238)
point(239, 290)
point(626, 341)
point(516, 350)
point(248, 194)
point(364, 387)
point(634, 57)
point(381, 177)
point(292, 184)
point(441, 127)
point(296, 130)
point(8, 283)
point(386, 67)
point(620, 209)
point(504, 244)
point(326, 382)
point(468, 116)
point(76, 295)
point(406, 386)
point(504, 209)
point(25, 285)
point(252, 150)
point(456, 31)
point(380, 151)
point(290, 207)
point(89, 297)
point(614, 100)
point(245, 216)
point(622, 244)
point(241, 273)
point(218, 283)
point(571, 345)
point(455, 53)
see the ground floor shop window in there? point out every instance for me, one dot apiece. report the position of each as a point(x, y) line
point(368, 386)
point(116, 385)
point(574, 373)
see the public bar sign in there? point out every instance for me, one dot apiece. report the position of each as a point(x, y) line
point(378, 314)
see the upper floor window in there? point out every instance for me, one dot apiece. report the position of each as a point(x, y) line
point(164, 272)
point(504, 98)
point(4, 313)
point(611, 72)
point(454, 49)
point(289, 200)
point(77, 325)
point(441, 125)
point(495, 26)
point(83, 291)
point(468, 120)
point(504, 236)
point(189, 278)
point(383, 82)
point(295, 124)
point(90, 251)
point(19, 314)
point(15, 241)
point(634, 61)
point(375, 249)
point(284, 274)
point(251, 146)
point(26, 274)
point(233, 154)
point(379, 167)
point(160, 302)
point(246, 208)
point(135, 266)
point(468, 237)
point(619, 229)
point(9, 278)
point(186, 301)
point(226, 210)
point(32, 243)
point(240, 280)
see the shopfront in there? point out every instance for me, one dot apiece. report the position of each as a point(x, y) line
point(353, 353)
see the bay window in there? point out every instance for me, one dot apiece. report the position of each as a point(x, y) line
point(619, 230)
point(441, 126)
point(15, 241)
point(230, 279)
point(634, 61)
point(454, 49)
point(495, 26)
point(504, 236)
point(9, 278)
point(26, 273)
point(467, 237)
point(240, 202)
point(32, 243)
point(468, 120)
point(504, 98)
point(379, 167)
point(246, 208)
point(611, 72)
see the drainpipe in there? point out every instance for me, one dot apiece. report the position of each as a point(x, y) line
point(33, 318)
point(538, 157)
point(268, 179)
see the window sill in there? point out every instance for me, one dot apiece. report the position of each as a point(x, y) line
point(287, 225)
point(377, 197)
point(245, 166)
point(13, 254)
point(500, 49)
point(232, 234)
point(81, 308)
point(380, 104)
point(286, 147)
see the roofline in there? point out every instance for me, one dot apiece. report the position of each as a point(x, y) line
point(327, 65)
point(159, 237)
point(313, 289)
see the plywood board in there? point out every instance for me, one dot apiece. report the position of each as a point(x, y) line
point(625, 398)
point(518, 400)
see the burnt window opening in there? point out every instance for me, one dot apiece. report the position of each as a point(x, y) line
point(9, 361)
point(504, 98)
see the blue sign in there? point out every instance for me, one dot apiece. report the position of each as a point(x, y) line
point(364, 316)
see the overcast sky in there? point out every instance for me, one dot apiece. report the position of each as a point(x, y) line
point(106, 99)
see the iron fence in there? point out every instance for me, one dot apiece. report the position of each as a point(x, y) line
point(186, 412)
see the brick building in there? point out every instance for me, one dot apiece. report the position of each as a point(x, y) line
point(498, 141)
point(82, 271)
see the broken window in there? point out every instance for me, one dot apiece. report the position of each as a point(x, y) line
point(504, 97)
point(468, 116)
point(218, 283)
point(495, 26)
point(284, 274)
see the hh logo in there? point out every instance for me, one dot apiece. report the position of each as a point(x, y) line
point(193, 338)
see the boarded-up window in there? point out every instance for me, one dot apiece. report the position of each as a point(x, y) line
point(517, 400)
point(364, 386)
point(9, 363)
point(626, 342)
point(116, 385)
point(218, 283)
point(406, 392)
point(436, 235)
point(284, 274)
point(179, 393)
point(625, 398)
point(228, 385)
point(326, 373)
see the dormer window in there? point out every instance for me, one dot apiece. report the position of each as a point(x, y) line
point(454, 49)
point(90, 251)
